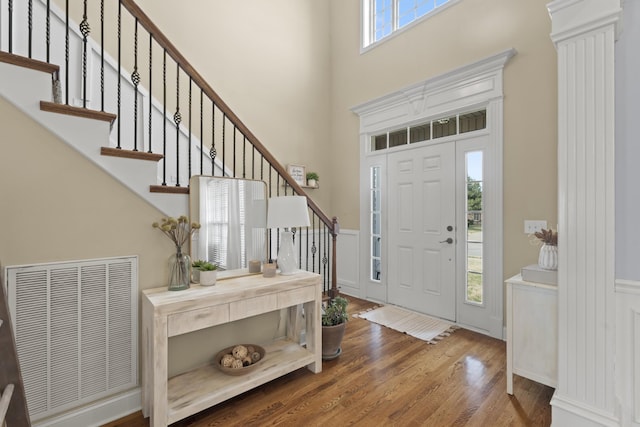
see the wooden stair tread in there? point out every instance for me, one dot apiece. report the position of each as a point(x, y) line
point(130, 154)
point(77, 111)
point(168, 189)
point(33, 64)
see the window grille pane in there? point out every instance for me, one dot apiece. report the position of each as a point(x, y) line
point(420, 133)
point(445, 126)
point(379, 142)
point(473, 121)
point(398, 138)
point(383, 18)
point(374, 232)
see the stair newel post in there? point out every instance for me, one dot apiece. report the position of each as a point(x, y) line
point(314, 248)
point(325, 258)
point(177, 119)
point(85, 30)
point(334, 257)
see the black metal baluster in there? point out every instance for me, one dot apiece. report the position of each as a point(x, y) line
point(84, 30)
point(212, 151)
point(244, 156)
point(30, 25)
point(189, 149)
point(307, 251)
point(135, 79)
point(164, 117)
point(150, 89)
point(325, 258)
point(48, 30)
point(119, 91)
point(10, 26)
point(224, 137)
point(313, 243)
point(66, 53)
point(101, 55)
point(235, 133)
point(253, 162)
point(261, 166)
point(201, 134)
point(177, 119)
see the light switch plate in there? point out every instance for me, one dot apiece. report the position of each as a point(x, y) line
point(531, 226)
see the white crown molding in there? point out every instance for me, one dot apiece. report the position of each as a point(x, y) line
point(571, 18)
point(466, 85)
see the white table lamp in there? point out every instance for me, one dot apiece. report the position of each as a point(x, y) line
point(287, 212)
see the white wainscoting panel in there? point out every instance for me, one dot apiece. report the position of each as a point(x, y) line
point(628, 351)
point(348, 261)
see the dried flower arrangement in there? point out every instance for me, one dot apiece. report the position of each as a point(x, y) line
point(178, 230)
point(548, 237)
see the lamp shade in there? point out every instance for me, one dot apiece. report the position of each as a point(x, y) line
point(287, 212)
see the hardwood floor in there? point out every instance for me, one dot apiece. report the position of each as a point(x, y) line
point(386, 378)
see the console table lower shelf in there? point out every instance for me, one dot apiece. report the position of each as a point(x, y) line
point(204, 387)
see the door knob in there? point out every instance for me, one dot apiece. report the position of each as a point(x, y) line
point(449, 240)
point(449, 228)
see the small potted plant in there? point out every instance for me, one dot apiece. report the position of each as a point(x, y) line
point(208, 273)
point(195, 270)
point(312, 179)
point(334, 321)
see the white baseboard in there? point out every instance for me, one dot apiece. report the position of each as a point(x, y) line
point(569, 413)
point(98, 413)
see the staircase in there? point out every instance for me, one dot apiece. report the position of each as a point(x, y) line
point(151, 121)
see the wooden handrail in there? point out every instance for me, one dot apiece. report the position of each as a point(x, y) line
point(173, 52)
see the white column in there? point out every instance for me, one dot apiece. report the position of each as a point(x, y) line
point(584, 32)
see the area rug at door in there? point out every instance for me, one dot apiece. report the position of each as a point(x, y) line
point(417, 325)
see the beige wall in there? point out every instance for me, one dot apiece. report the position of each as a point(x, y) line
point(57, 206)
point(269, 61)
point(464, 33)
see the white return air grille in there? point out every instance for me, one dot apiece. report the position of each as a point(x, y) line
point(76, 331)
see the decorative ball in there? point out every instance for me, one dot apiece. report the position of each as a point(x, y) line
point(227, 360)
point(247, 361)
point(255, 356)
point(250, 349)
point(237, 363)
point(239, 352)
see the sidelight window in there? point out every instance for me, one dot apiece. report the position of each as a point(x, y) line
point(474, 214)
point(374, 213)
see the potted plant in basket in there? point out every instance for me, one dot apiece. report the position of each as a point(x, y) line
point(334, 321)
point(208, 273)
point(312, 179)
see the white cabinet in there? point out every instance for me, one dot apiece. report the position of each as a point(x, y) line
point(166, 314)
point(532, 331)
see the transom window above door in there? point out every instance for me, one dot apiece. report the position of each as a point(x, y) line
point(381, 18)
point(431, 129)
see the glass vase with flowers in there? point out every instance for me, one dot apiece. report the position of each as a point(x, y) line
point(179, 231)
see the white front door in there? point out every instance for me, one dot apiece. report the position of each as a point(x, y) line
point(421, 229)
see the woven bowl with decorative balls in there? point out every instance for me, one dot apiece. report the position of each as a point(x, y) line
point(249, 356)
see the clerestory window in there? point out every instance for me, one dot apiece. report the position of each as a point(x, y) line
point(381, 18)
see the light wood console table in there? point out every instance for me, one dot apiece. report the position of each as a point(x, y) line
point(166, 314)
